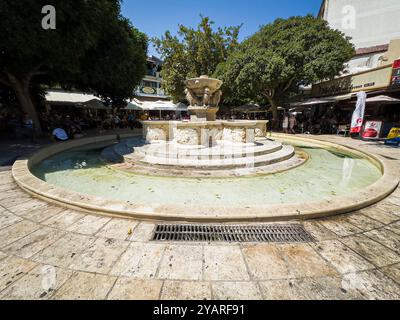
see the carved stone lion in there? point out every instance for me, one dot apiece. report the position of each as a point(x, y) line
point(216, 98)
point(192, 98)
point(207, 96)
point(206, 99)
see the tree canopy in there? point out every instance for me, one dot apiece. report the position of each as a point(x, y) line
point(93, 48)
point(282, 56)
point(194, 52)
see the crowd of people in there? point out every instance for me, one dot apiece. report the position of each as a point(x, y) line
point(65, 125)
point(327, 122)
point(16, 125)
point(69, 123)
point(242, 116)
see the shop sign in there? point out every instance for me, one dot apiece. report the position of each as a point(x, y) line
point(366, 81)
point(148, 90)
point(396, 75)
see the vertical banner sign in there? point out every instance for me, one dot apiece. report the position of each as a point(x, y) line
point(358, 115)
point(395, 83)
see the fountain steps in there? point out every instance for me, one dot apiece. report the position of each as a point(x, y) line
point(223, 160)
point(285, 153)
point(174, 171)
point(218, 152)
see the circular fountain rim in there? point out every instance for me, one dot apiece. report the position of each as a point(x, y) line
point(279, 212)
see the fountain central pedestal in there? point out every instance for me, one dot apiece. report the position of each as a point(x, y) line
point(203, 95)
point(204, 146)
point(202, 132)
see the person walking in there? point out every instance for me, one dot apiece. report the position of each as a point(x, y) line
point(131, 121)
point(285, 123)
point(292, 124)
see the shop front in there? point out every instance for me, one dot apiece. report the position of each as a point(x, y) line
point(335, 101)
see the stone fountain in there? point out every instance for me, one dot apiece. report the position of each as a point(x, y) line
point(203, 95)
point(205, 146)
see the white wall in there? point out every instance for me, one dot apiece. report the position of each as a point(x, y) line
point(364, 62)
point(368, 22)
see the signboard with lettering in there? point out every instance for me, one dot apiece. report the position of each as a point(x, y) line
point(149, 90)
point(374, 79)
point(395, 83)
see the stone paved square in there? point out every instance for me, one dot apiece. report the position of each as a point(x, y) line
point(85, 286)
point(182, 263)
point(139, 261)
point(100, 256)
point(40, 283)
point(145, 159)
point(186, 290)
point(131, 289)
point(224, 263)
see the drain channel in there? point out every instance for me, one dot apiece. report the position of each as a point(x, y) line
point(232, 233)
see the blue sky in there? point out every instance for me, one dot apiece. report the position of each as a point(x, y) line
point(154, 17)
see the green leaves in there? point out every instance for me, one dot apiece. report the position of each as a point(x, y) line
point(272, 63)
point(93, 47)
point(194, 52)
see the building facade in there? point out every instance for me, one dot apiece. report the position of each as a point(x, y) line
point(375, 68)
point(375, 32)
point(370, 24)
point(150, 88)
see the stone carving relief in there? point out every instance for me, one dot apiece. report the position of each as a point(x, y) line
point(235, 135)
point(156, 134)
point(187, 136)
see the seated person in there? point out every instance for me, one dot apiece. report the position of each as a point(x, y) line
point(59, 134)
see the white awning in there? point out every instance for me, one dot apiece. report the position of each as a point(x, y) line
point(248, 108)
point(69, 97)
point(159, 106)
point(79, 99)
point(312, 102)
point(133, 106)
point(383, 99)
point(324, 100)
point(93, 104)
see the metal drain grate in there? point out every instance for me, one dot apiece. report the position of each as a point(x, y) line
point(231, 233)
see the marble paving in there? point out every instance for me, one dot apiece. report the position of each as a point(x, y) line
point(47, 252)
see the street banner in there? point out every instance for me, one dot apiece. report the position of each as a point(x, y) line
point(372, 130)
point(358, 115)
point(395, 83)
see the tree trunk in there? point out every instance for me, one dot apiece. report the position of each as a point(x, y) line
point(275, 114)
point(23, 93)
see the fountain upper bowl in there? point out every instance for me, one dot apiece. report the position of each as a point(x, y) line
point(203, 82)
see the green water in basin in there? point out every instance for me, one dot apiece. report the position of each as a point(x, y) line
point(327, 174)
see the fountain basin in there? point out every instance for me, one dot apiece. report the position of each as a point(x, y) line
point(100, 189)
point(200, 133)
